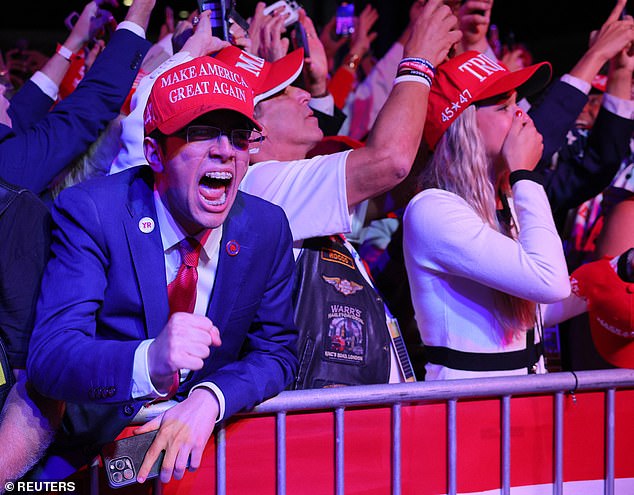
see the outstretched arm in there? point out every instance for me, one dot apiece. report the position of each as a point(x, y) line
point(393, 141)
point(33, 158)
point(579, 177)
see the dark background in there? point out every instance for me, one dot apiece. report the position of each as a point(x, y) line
point(554, 30)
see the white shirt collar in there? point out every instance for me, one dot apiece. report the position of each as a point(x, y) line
point(172, 233)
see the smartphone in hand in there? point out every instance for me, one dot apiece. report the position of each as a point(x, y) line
point(122, 459)
point(300, 40)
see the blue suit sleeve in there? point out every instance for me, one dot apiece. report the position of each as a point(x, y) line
point(581, 176)
point(69, 357)
point(554, 115)
point(28, 106)
point(33, 158)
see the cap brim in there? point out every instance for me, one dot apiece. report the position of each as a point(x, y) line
point(268, 80)
point(615, 349)
point(283, 73)
point(526, 82)
point(184, 118)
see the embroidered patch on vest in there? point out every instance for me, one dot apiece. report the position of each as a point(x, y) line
point(345, 341)
point(346, 287)
point(337, 257)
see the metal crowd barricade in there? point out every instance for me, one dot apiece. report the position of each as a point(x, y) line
point(451, 392)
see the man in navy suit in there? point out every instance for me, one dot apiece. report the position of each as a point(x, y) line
point(105, 340)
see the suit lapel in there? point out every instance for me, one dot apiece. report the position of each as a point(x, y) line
point(231, 272)
point(146, 251)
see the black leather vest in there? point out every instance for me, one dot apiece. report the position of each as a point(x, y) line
point(343, 335)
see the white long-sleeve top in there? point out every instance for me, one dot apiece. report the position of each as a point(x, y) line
point(455, 260)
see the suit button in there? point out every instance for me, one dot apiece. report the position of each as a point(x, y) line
point(128, 410)
point(111, 391)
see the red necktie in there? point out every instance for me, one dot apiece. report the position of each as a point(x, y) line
point(181, 292)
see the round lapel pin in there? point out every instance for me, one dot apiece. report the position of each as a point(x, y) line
point(146, 225)
point(233, 248)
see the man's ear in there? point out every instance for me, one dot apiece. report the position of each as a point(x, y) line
point(153, 154)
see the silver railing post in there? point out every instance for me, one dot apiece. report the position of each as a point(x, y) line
point(339, 445)
point(221, 460)
point(609, 441)
point(558, 440)
point(506, 445)
point(452, 449)
point(280, 443)
point(396, 449)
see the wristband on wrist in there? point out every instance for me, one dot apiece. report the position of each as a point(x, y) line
point(419, 60)
point(412, 69)
point(64, 52)
point(416, 74)
point(411, 78)
point(417, 67)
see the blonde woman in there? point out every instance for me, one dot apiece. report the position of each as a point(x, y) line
point(478, 275)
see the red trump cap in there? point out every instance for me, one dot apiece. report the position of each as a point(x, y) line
point(194, 88)
point(471, 77)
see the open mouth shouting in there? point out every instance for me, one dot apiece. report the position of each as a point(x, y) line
point(213, 187)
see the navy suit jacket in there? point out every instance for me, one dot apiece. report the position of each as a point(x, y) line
point(104, 291)
point(42, 143)
point(576, 179)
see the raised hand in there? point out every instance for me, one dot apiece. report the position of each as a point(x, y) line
point(362, 38)
point(265, 32)
point(522, 148)
point(183, 343)
point(474, 19)
point(331, 42)
point(201, 42)
point(615, 35)
point(433, 32)
point(315, 66)
point(91, 21)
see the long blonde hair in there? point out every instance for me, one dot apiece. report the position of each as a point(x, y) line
point(460, 165)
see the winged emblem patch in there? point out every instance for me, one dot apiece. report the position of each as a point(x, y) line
point(346, 287)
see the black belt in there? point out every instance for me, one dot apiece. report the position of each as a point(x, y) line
point(487, 361)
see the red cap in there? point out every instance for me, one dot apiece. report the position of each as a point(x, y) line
point(194, 88)
point(471, 77)
point(266, 78)
point(610, 309)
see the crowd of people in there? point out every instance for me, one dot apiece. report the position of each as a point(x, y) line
point(202, 223)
